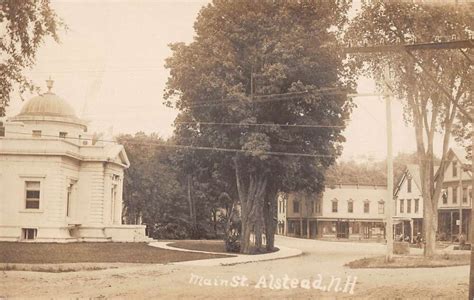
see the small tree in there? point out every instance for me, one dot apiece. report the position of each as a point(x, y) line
point(433, 84)
point(26, 25)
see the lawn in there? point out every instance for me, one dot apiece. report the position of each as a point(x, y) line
point(412, 261)
point(210, 246)
point(201, 245)
point(54, 253)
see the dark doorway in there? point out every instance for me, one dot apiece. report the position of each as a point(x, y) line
point(342, 229)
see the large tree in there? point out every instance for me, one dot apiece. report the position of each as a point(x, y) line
point(153, 193)
point(244, 50)
point(434, 85)
point(24, 25)
point(169, 188)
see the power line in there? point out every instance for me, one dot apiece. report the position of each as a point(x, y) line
point(274, 153)
point(262, 125)
point(218, 149)
point(272, 97)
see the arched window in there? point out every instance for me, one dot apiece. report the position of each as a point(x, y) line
point(381, 206)
point(350, 206)
point(366, 206)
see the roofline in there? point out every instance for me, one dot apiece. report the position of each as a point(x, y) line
point(49, 118)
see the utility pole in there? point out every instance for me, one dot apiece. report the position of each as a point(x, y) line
point(460, 199)
point(389, 206)
point(471, 233)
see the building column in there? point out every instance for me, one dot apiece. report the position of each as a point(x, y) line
point(308, 229)
point(403, 229)
point(411, 230)
point(451, 226)
point(301, 227)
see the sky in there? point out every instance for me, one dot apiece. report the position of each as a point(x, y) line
point(109, 66)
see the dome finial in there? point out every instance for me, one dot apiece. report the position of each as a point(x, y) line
point(49, 84)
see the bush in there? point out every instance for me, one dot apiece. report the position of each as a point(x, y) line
point(232, 243)
point(401, 248)
point(172, 231)
point(178, 230)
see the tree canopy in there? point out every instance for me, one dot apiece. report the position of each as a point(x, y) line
point(225, 84)
point(24, 25)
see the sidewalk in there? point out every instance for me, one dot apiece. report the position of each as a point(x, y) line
point(233, 259)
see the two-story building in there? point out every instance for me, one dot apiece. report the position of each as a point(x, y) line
point(297, 214)
point(341, 211)
point(454, 205)
point(408, 214)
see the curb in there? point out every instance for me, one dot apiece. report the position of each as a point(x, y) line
point(233, 259)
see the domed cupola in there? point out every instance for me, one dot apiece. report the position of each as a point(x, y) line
point(48, 107)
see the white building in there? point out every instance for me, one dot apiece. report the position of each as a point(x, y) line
point(408, 215)
point(454, 206)
point(56, 182)
point(341, 211)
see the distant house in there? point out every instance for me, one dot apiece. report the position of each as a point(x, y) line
point(454, 205)
point(408, 214)
point(341, 211)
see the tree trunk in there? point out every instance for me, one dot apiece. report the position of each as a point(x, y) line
point(192, 207)
point(425, 128)
point(269, 212)
point(250, 195)
point(214, 219)
point(258, 228)
point(429, 226)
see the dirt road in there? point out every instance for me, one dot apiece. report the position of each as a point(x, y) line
point(319, 267)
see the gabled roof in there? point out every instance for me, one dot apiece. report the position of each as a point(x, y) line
point(460, 154)
point(414, 171)
point(117, 153)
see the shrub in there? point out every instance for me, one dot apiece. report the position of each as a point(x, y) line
point(232, 243)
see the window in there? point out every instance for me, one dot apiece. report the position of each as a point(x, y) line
point(2, 129)
point(366, 207)
point(32, 194)
point(402, 206)
point(417, 205)
point(296, 206)
point(318, 207)
point(28, 233)
point(445, 197)
point(455, 168)
point(350, 206)
point(408, 206)
point(470, 194)
point(63, 135)
point(381, 207)
point(36, 133)
point(70, 198)
point(113, 198)
point(311, 204)
point(464, 195)
point(409, 185)
point(334, 206)
point(455, 195)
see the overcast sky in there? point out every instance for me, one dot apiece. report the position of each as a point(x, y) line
point(110, 67)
